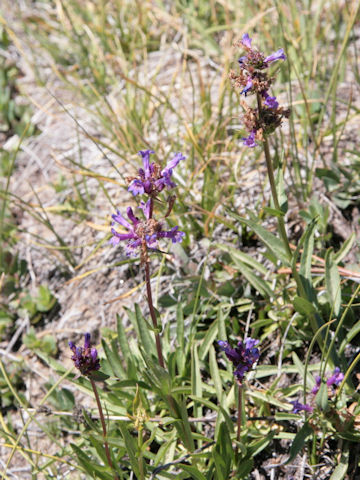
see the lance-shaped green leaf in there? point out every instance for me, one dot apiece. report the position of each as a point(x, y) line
point(273, 243)
point(332, 282)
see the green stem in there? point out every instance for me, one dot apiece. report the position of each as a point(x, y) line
point(103, 424)
point(281, 222)
point(140, 459)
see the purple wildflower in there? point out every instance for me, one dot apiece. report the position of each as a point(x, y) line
point(175, 234)
point(316, 387)
point(242, 357)
point(132, 237)
point(247, 87)
point(246, 40)
point(85, 358)
point(298, 407)
point(142, 233)
point(250, 140)
point(336, 378)
point(278, 55)
point(152, 180)
point(256, 59)
point(270, 102)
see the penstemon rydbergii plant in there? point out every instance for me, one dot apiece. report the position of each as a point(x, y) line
point(143, 235)
point(87, 362)
point(243, 357)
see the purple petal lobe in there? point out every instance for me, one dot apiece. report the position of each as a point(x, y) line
point(145, 154)
point(136, 187)
point(121, 220)
point(87, 340)
point(146, 208)
point(131, 216)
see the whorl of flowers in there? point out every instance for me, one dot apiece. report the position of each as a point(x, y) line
point(143, 234)
point(253, 78)
point(152, 179)
point(85, 358)
point(243, 356)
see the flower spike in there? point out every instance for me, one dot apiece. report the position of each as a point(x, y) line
point(85, 358)
point(242, 357)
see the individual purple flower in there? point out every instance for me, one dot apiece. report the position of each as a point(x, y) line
point(246, 40)
point(298, 407)
point(152, 179)
point(85, 358)
point(132, 237)
point(142, 233)
point(316, 387)
point(250, 140)
point(242, 357)
point(175, 234)
point(336, 378)
point(247, 87)
point(269, 101)
point(278, 55)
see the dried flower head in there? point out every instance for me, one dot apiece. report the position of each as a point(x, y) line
point(85, 358)
point(152, 179)
point(242, 357)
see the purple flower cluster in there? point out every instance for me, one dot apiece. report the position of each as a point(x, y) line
point(256, 60)
point(242, 357)
point(144, 234)
point(335, 379)
point(139, 232)
point(254, 79)
point(85, 358)
point(152, 179)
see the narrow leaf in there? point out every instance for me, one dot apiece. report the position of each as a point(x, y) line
point(299, 441)
point(272, 242)
point(332, 282)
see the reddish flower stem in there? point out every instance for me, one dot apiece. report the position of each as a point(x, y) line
point(153, 314)
point(239, 416)
point(103, 424)
point(149, 296)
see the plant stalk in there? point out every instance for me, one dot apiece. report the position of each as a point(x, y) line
point(103, 424)
point(239, 416)
point(152, 313)
point(281, 222)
